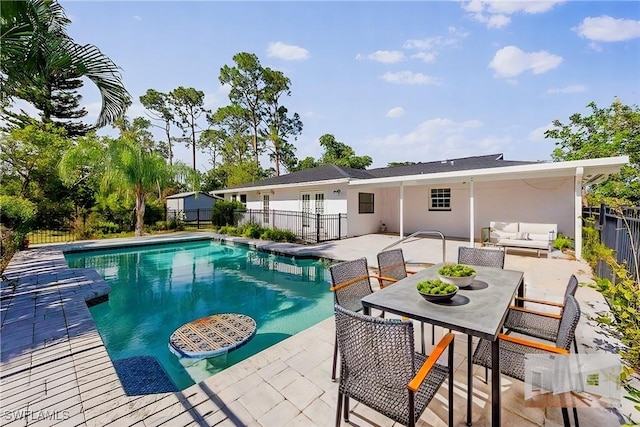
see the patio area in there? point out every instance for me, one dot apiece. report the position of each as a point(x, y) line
point(54, 368)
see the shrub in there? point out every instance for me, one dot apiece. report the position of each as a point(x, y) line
point(622, 295)
point(250, 230)
point(153, 212)
point(563, 242)
point(229, 230)
point(223, 212)
point(278, 235)
point(108, 227)
point(17, 215)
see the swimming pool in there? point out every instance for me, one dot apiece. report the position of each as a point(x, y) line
point(156, 289)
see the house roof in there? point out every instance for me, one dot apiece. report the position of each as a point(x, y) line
point(461, 164)
point(187, 194)
point(487, 167)
point(320, 173)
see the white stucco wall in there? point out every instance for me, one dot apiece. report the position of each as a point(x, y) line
point(361, 224)
point(539, 200)
point(530, 200)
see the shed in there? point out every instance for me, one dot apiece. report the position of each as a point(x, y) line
point(190, 205)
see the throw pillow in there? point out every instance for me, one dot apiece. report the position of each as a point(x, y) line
point(522, 236)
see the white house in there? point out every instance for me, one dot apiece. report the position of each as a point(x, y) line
point(455, 196)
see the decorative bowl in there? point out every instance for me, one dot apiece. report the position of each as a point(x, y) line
point(458, 281)
point(432, 290)
point(457, 274)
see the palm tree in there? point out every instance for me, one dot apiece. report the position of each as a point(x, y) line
point(128, 169)
point(38, 57)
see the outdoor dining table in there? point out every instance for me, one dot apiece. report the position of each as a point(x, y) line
point(478, 310)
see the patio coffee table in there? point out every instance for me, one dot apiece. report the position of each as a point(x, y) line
point(479, 310)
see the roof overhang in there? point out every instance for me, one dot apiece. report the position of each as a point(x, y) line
point(593, 171)
point(238, 190)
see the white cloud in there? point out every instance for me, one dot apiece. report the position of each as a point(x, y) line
point(384, 56)
point(432, 45)
point(538, 134)
point(137, 18)
point(395, 112)
point(427, 57)
point(495, 13)
point(608, 29)
point(287, 52)
point(595, 47)
point(441, 138)
point(510, 61)
point(409, 77)
point(567, 89)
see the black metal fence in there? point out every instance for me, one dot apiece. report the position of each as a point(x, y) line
point(198, 218)
point(619, 231)
point(308, 227)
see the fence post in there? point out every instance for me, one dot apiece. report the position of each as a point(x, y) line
point(317, 228)
point(198, 219)
point(339, 226)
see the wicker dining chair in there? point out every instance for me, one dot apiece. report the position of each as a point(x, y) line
point(540, 324)
point(391, 268)
point(514, 349)
point(481, 257)
point(380, 368)
point(350, 282)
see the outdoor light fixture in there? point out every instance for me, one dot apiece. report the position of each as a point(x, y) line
point(337, 191)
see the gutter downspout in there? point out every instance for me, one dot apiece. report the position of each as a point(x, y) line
point(578, 212)
point(401, 211)
point(472, 218)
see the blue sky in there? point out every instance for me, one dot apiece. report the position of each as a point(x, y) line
point(398, 81)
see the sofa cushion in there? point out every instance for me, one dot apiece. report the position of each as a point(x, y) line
point(538, 228)
point(542, 237)
point(497, 235)
point(510, 227)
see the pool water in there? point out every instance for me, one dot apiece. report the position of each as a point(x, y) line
point(156, 289)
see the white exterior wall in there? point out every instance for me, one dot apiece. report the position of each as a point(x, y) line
point(361, 224)
point(530, 200)
point(539, 200)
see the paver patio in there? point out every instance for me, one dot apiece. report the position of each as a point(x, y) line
point(54, 368)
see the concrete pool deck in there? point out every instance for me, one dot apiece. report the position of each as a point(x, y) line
point(54, 368)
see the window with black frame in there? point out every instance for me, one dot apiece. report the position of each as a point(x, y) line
point(440, 199)
point(365, 203)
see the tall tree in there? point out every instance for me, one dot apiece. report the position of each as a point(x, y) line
point(42, 65)
point(278, 125)
point(188, 105)
point(160, 109)
point(339, 153)
point(246, 80)
point(610, 131)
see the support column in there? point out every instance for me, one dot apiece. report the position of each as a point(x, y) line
point(578, 212)
point(401, 211)
point(472, 217)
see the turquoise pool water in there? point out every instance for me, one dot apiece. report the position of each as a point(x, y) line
point(157, 289)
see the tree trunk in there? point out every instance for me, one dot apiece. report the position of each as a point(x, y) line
point(140, 208)
point(167, 129)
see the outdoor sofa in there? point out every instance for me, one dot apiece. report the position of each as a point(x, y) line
point(525, 235)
